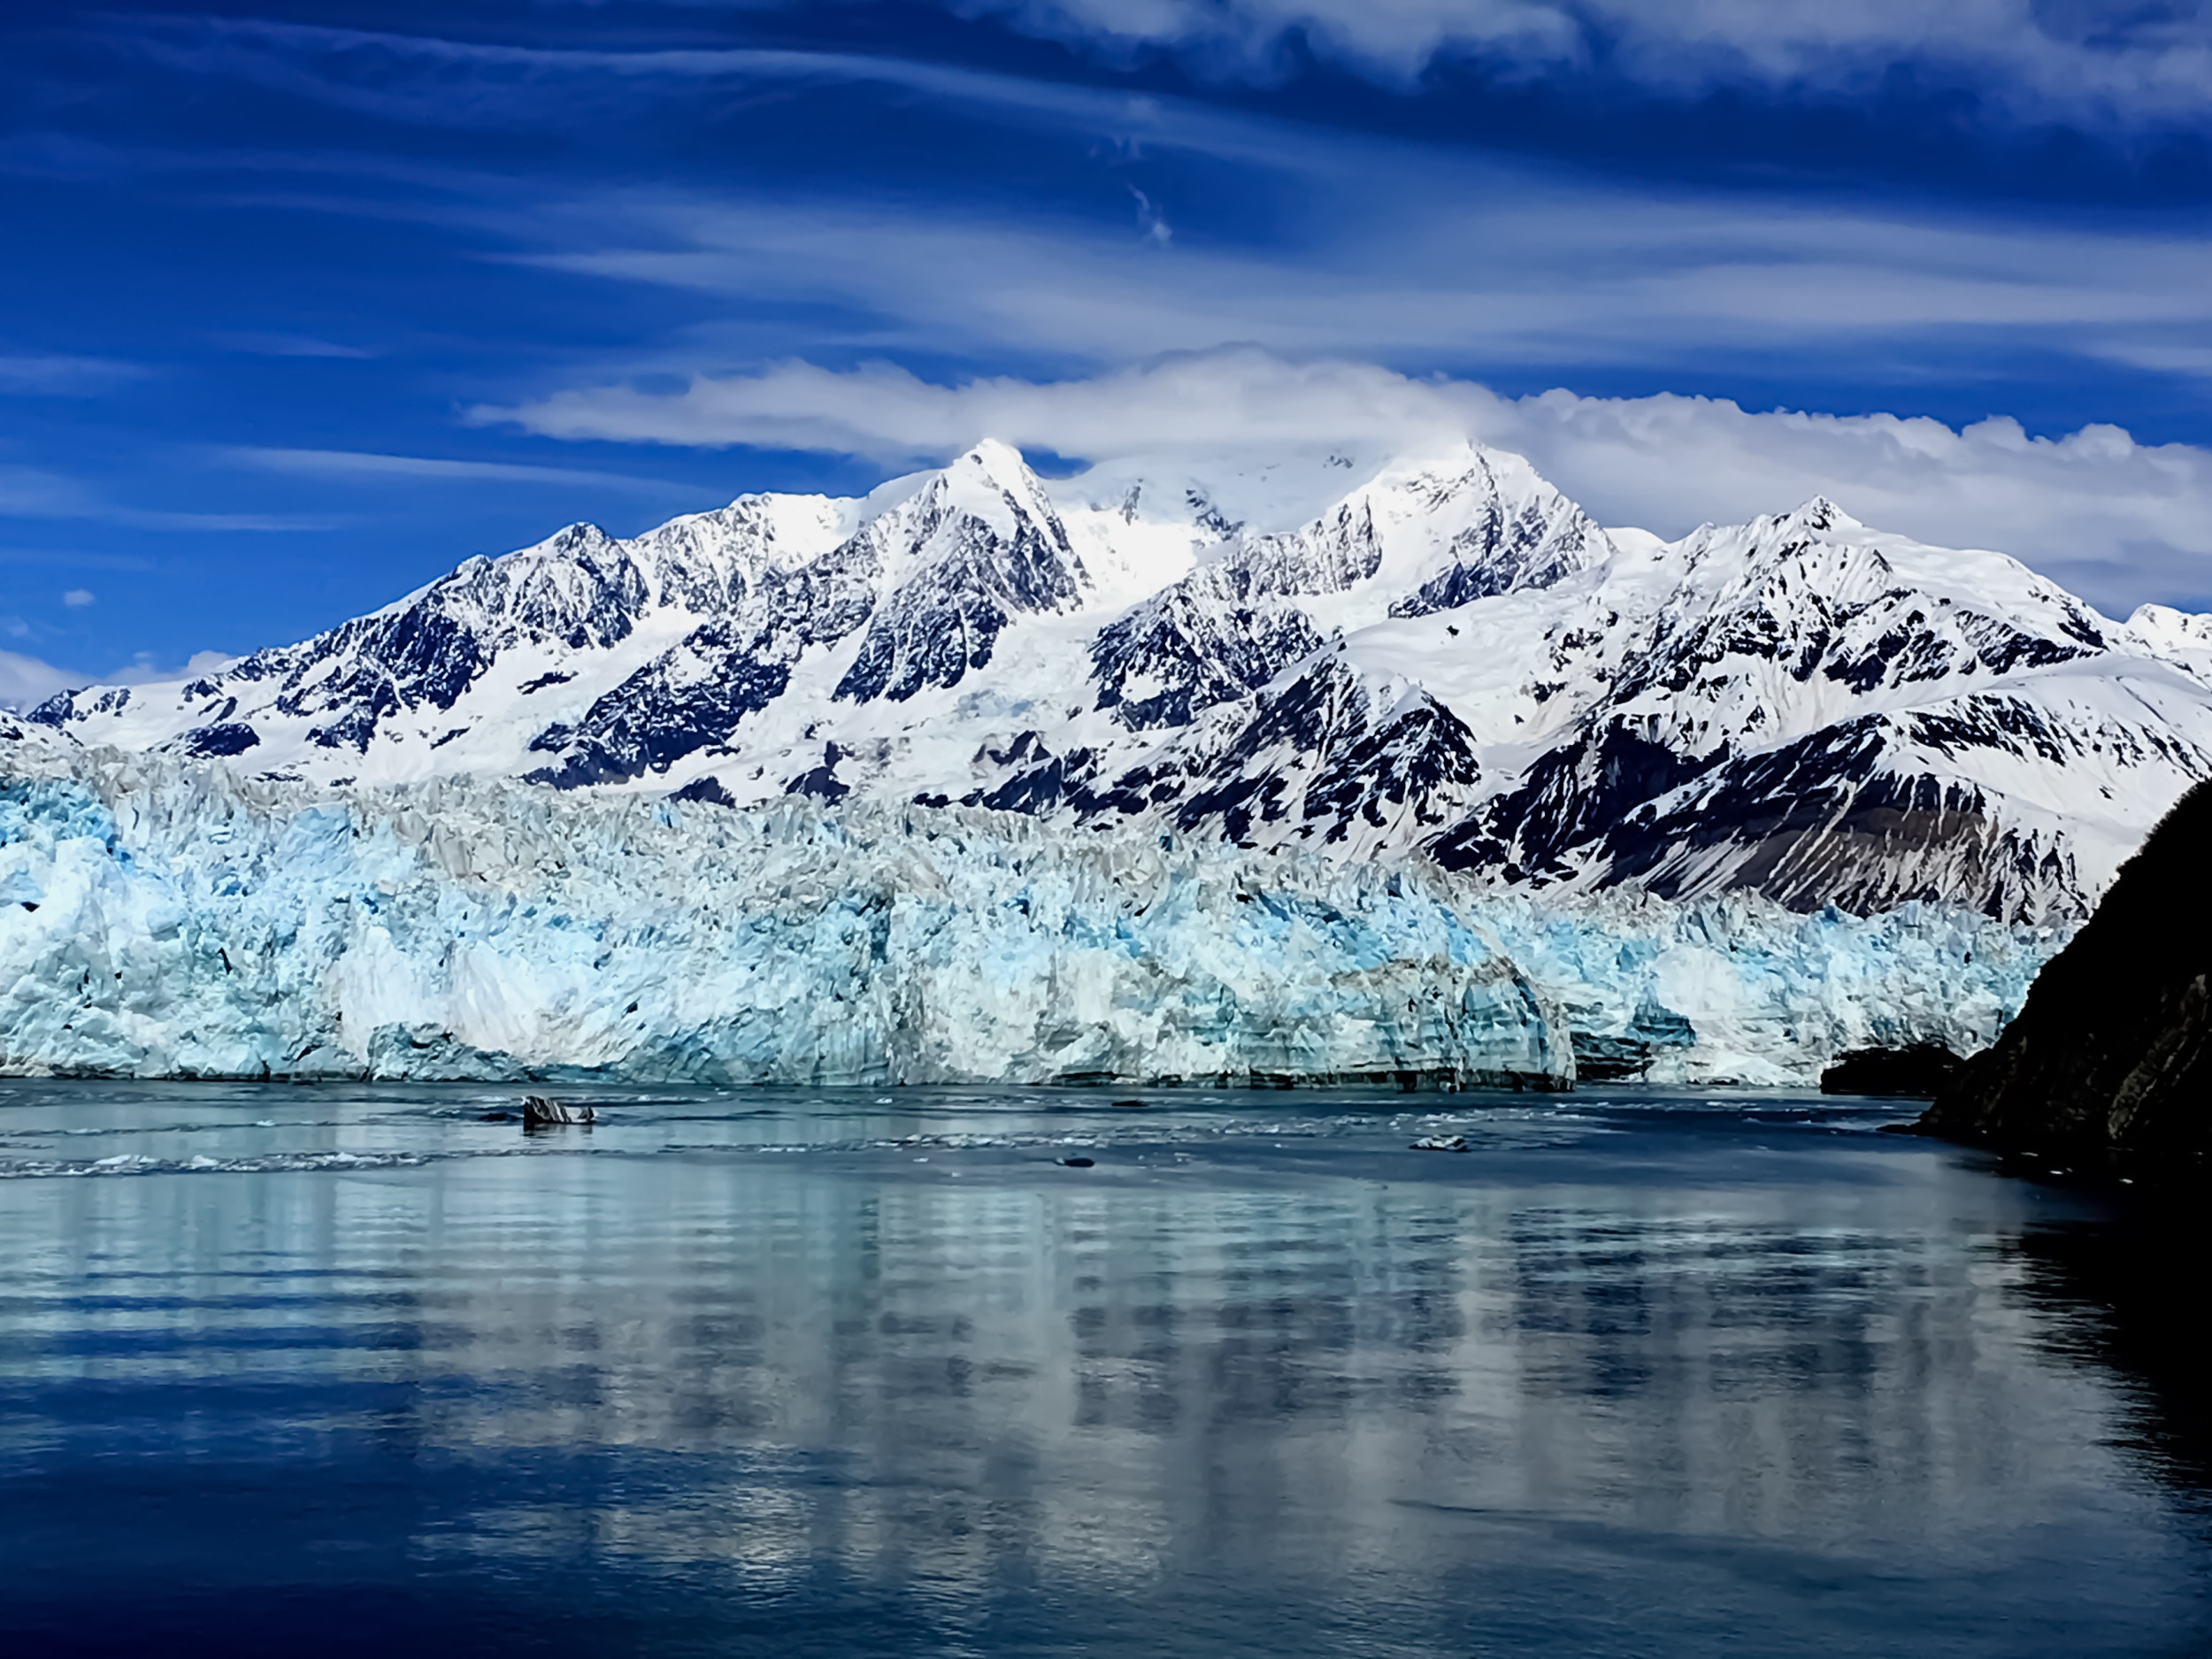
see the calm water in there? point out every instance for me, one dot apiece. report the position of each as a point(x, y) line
point(346, 1371)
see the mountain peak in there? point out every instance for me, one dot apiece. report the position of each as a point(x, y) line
point(997, 458)
point(1001, 466)
point(1820, 513)
point(991, 482)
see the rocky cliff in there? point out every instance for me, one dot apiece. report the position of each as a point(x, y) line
point(2112, 1054)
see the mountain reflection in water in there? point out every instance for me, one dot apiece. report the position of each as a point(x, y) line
point(325, 1369)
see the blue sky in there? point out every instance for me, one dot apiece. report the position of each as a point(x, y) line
point(303, 304)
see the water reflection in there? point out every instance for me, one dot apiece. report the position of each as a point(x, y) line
point(2128, 1292)
point(1623, 1380)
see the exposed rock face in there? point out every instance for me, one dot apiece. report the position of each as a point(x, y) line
point(2113, 1052)
point(540, 1113)
point(1921, 1070)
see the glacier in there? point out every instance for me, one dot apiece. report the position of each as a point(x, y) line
point(166, 917)
point(1306, 770)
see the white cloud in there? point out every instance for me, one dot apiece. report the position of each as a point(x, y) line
point(1372, 247)
point(277, 345)
point(25, 681)
point(1241, 399)
point(29, 492)
point(77, 598)
point(2120, 63)
point(357, 463)
point(1527, 266)
point(28, 681)
point(146, 669)
point(2119, 521)
point(60, 376)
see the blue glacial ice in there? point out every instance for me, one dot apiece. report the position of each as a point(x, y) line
point(163, 918)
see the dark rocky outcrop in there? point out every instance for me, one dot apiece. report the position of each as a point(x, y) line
point(224, 738)
point(708, 790)
point(2112, 1054)
point(1919, 1068)
point(538, 1112)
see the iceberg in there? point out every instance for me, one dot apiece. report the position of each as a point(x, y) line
point(166, 917)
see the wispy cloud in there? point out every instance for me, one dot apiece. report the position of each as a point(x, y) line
point(2119, 64)
point(51, 375)
point(1531, 267)
point(457, 82)
point(279, 345)
point(2121, 521)
point(74, 559)
point(354, 464)
point(704, 247)
point(1154, 221)
point(1409, 251)
point(29, 491)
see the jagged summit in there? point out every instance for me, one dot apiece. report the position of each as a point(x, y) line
point(1820, 513)
point(1353, 653)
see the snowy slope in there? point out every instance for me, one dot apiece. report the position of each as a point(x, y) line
point(165, 917)
point(1824, 713)
point(1354, 655)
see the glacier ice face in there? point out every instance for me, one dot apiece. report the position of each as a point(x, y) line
point(1738, 989)
point(162, 918)
point(184, 923)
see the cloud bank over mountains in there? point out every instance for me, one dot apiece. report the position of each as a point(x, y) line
point(2103, 514)
point(27, 681)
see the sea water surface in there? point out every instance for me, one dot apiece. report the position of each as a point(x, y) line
point(352, 1370)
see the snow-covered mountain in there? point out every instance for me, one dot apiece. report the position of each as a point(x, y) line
point(1352, 656)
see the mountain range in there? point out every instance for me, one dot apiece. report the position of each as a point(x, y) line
point(1346, 655)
